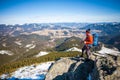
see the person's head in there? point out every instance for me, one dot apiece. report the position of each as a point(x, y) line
point(87, 31)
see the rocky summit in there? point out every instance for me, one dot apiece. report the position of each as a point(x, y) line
point(76, 68)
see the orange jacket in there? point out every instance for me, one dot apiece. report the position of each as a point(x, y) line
point(89, 39)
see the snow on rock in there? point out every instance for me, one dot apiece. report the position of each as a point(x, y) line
point(74, 49)
point(30, 72)
point(42, 53)
point(6, 52)
point(105, 50)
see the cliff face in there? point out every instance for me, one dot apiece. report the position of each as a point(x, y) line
point(100, 68)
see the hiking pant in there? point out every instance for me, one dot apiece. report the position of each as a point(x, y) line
point(87, 49)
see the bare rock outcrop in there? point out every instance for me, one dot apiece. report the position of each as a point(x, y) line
point(70, 69)
point(100, 68)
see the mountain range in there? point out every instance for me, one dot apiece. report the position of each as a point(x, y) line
point(20, 44)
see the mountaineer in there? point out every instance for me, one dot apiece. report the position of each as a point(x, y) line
point(87, 44)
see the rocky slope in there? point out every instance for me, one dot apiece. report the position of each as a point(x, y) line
point(96, 68)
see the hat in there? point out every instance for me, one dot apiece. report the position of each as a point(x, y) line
point(88, 30)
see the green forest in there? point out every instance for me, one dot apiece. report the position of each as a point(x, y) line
point(53, 56)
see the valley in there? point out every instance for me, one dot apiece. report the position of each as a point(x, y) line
point(28, 44)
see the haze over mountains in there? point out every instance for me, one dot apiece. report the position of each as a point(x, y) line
point(54, 29)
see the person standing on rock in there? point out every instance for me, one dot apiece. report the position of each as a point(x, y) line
point(87, 43)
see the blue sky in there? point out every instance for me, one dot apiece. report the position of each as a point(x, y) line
point(47, 11)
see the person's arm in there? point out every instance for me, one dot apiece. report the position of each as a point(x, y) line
point(90, 40)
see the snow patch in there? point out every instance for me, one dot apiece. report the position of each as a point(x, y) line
point(4, 45)
point(30, 72)
point(18, 43)
point(42, 53)
point(105, 50)
point(4, 76)
point(33, 46)
point(6, 52)
point(74, 49)
point(30, 46)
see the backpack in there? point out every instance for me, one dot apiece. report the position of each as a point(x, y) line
point(95, 39)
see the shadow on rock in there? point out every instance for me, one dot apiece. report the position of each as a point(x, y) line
point(78, 71)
